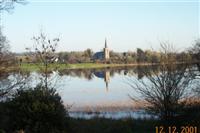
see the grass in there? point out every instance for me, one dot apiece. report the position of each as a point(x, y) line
point(60, 66)
point(37, 67)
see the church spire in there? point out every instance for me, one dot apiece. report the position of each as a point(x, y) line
point(106, 43)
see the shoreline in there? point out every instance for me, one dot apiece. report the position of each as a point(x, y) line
point(58, 66)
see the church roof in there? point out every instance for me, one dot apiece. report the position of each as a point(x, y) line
point(98, 55)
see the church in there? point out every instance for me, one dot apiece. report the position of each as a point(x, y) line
point(102, 55)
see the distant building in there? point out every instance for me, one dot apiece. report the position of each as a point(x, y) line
point(98, 56)
point(103, 55)
point(106, 51)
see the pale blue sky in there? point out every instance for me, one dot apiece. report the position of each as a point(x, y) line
point(85, 24)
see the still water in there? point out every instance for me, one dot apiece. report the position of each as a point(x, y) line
point(97, 92)
point(89, 93)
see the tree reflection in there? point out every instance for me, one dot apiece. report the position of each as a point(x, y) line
point(89, 73)
point(10, 82)
point(164, 92)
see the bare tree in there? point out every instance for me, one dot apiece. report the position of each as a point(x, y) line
point(7, 65)
point(164, 92)
point(5, 55)
point(3, 46)
point(44, 54)
point(196, 52)
point(8, 5)
point(7, 59)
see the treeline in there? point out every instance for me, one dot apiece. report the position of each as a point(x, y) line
point(86, 56)
point(146, 56)
point(40, 109)
point(7, 58)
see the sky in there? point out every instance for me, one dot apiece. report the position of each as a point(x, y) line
point(82, 24)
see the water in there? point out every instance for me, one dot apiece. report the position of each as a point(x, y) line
point(140, 114)
point(103, 92)
point(93, 90)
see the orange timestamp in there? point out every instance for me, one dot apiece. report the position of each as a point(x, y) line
point(174, 129)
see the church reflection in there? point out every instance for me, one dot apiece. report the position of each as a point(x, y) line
point(104, 75)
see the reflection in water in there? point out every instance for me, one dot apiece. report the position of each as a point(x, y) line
point(107, 73)
point(9, 82)
point(168, 94)
point(104, 75)
point(107, 78)
point(86, 88)
point(90, 73)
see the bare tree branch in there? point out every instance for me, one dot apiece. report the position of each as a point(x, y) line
point(164, 91)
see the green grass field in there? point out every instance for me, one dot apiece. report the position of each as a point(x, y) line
point(37, 67)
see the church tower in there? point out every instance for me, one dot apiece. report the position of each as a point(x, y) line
point(106, 51)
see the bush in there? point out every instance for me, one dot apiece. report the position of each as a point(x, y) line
point(37, 110)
